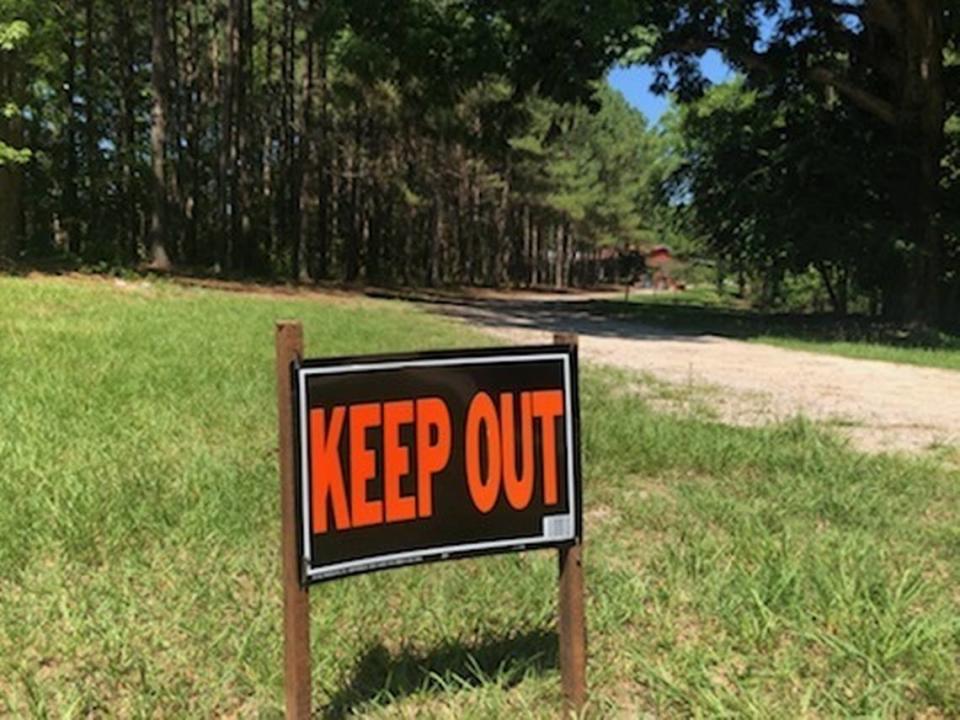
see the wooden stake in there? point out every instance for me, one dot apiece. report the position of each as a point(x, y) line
point(572, 625)
point(296, 601)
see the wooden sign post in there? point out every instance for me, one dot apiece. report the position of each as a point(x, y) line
point(296, 600)
point(394, 460)
point(572, 626)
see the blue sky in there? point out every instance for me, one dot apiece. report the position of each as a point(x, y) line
point(634, 83)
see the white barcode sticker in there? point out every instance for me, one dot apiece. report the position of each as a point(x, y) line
point(558, 527)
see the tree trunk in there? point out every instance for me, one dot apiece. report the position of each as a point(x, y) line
point(175, 122)
point(843, 291)
point(323, 170)
point(159, 260)
point(217, 89)
point(836, 291)
point(501, 249)
point(244, 121)
point(126, 139)
point(462, 202)
point(11, 195)
point(925, 92)
point(228, 150)
point(91, 97)
point(535, 244)
point(304, 160)
point(192, 193)
point(475, 272)
point(11, 174)
point(436, 238)
point(358, 226)
point(525, 267)
point(288, 222)
point(558, 256)
point(352, 198)
point(373, 203)
point(336, 205)
point(70, 207)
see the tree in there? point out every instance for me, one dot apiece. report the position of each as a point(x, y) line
point(13, 155)
point(766, 178)
point(591, 175)
point(360, 141)
point(159, 259)
point(883, 57)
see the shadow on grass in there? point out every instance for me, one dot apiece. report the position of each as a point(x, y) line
point(383, 675)
point(745, 323)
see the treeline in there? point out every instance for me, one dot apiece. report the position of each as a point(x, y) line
point(473, 141)
point(836, 152)
point(313, 139)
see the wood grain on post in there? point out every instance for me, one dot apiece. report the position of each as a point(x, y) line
point(572, 626)
point(296, 600)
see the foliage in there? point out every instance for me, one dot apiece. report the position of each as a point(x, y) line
point(13, 156)
point(592, 168)
point(770, 188)
point(349, 141)
point(13, 34)
point(843, 159)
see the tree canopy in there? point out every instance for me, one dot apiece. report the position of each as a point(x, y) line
point(426, 141)
point(472, 141)
point(850, 123)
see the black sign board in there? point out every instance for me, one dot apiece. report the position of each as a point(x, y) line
point(412, 458)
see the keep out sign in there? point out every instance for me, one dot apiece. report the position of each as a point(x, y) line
point(410, 458)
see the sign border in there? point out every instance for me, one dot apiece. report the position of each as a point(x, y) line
point(567, 354)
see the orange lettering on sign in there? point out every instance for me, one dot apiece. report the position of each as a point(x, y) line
point(363, 466)
point(519, 490)
point(396, 461)
point(433, 419)
point(498, 449)
point(483, 490)
point(326, 473)
point(548, 406)
point(490, 456)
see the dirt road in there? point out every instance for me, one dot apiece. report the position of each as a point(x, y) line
point(879, 405)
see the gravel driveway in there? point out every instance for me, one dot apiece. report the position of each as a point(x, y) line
point(879, 405)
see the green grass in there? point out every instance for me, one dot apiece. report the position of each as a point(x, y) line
point(766, 572)
point(946, 356)
point(702, 310)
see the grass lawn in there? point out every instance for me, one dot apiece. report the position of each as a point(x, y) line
point(767, 572)
point(701, 310)
point(946, 356)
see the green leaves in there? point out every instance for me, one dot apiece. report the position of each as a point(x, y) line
point(592, 169)
point(13, 156)
point(13, 34)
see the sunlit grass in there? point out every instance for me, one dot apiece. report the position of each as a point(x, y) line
point(947, 357)
point(740, 572)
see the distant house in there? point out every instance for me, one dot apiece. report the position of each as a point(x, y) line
point(659, 256)
point(659, 261)
point(628, 264)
